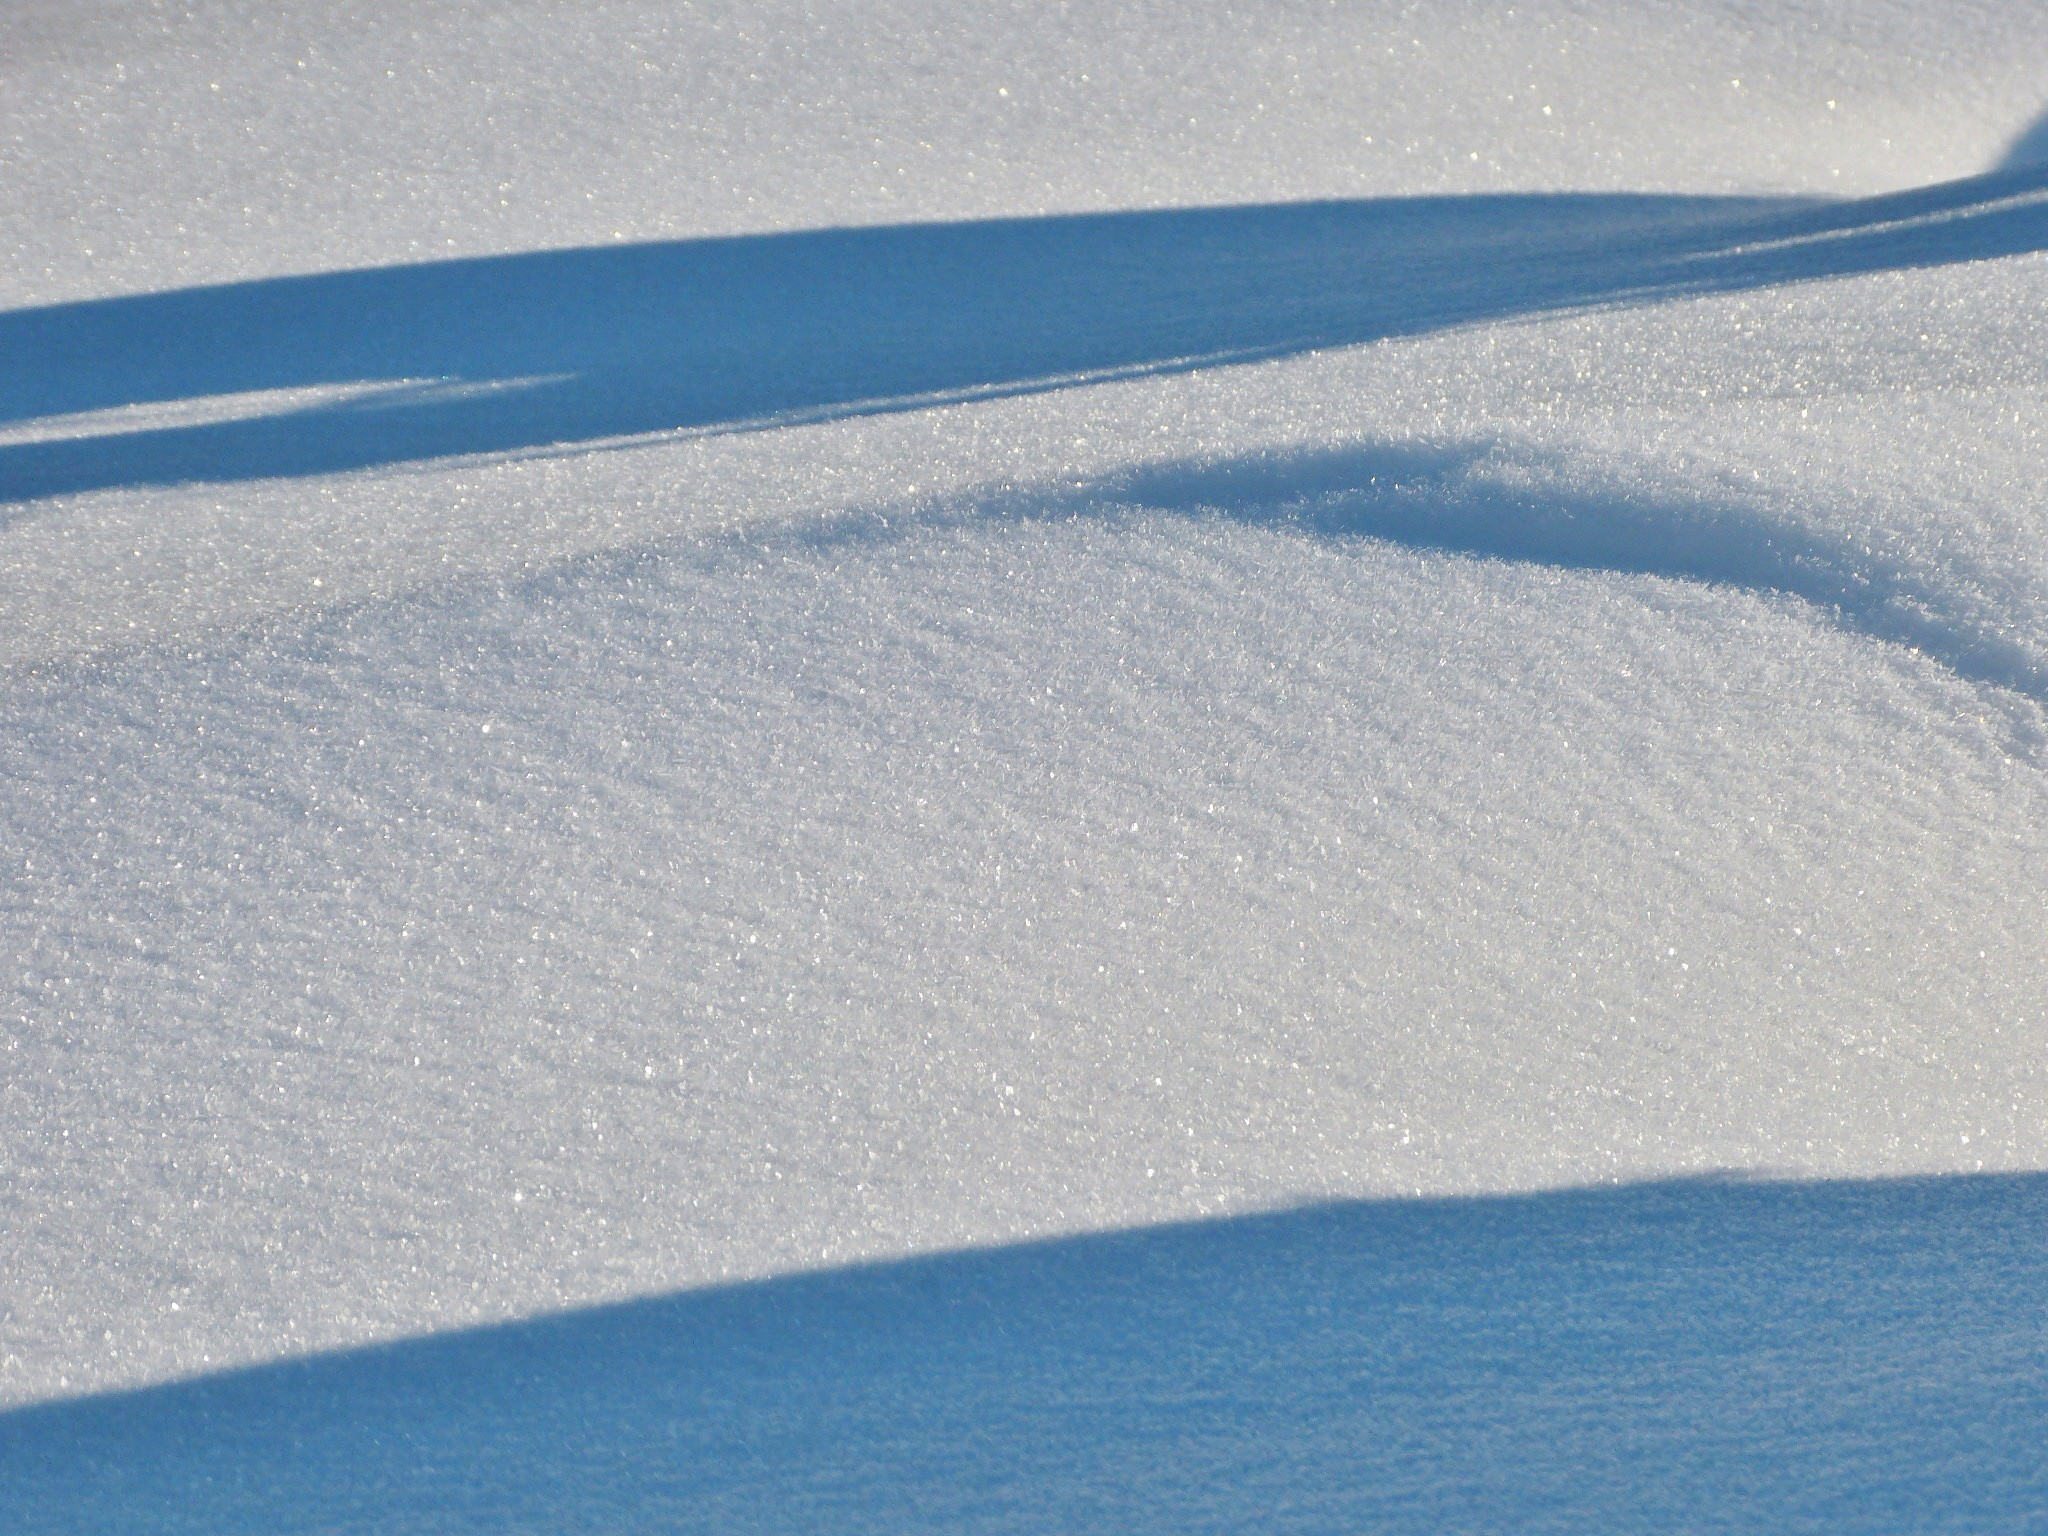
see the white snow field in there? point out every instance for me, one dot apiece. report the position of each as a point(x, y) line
point(904, 766)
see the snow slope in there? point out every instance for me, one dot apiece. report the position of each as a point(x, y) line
point(651, 646)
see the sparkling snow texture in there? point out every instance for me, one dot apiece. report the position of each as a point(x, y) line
point(856, 710)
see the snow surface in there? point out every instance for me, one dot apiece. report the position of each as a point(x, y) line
point(651, 651)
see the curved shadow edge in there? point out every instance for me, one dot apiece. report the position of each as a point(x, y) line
point(507, 354)
point(1683, 1355)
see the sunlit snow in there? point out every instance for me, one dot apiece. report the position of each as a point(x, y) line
point(894, 767)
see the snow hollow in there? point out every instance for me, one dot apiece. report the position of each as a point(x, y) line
point(888, 767)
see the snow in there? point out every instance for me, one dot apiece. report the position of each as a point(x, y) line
point(934, 767)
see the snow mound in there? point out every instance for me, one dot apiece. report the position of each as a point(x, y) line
point(667, 668)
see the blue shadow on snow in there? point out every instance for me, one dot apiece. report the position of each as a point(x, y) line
point(2030, 148)
point(1680, 1356)
point(513, 353)
point(1475, 498)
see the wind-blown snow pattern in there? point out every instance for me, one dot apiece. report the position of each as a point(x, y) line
point(992, 767)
